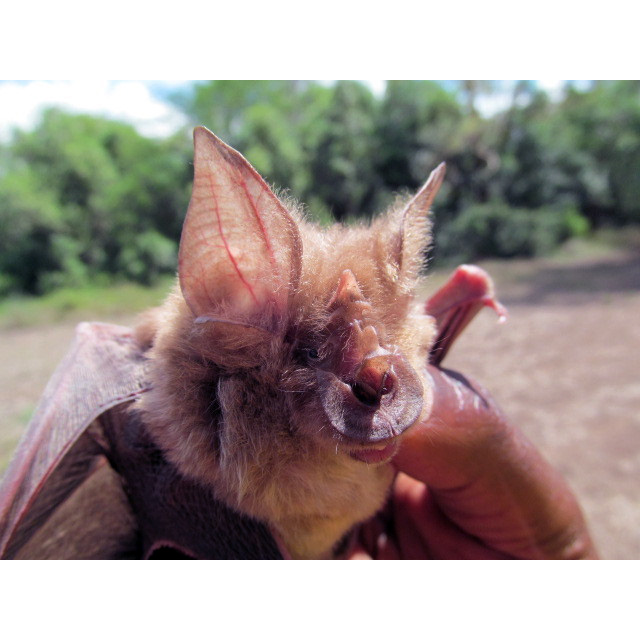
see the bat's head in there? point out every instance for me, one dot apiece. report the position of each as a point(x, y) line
point(355, 384)
point(308, 330)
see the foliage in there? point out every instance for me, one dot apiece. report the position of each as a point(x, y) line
point(497, 230)
point(84, 198)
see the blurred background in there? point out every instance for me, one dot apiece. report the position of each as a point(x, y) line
point(542, 188)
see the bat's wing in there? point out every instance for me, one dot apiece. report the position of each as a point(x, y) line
point(59, 475)
point(178, 517)
point(456, 303)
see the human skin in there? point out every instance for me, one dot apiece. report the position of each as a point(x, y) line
point(471, 486)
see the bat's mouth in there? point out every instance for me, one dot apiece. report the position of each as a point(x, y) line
point(376, 454)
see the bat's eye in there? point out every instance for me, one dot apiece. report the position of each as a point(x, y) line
point(308, 355)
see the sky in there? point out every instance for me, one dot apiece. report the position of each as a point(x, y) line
point(137, 102)
point(142, 103)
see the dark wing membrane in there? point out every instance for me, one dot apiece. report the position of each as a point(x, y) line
point(59, 469)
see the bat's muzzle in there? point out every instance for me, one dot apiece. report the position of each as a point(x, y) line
point(381, 401)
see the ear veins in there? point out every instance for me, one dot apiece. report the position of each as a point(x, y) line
point(254, 206)
point(237, 160)
point(233, 196)
point(226, 244)
point(185, 275)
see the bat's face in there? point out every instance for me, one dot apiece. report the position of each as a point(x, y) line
point(320, 316)
point(339, 364)
point(349, 383)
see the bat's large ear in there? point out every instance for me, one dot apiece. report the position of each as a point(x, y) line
point(410, 242)
point(240, 251)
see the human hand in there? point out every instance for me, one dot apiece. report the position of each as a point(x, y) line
point(471, 486)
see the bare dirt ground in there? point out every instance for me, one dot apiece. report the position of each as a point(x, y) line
point(565, 368)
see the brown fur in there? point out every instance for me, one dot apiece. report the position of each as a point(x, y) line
point(234, 405)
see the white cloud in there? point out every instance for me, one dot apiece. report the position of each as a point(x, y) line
point(131, 101)
point(492, 103)
point(554, 88)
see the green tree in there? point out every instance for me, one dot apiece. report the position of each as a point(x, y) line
point(78, 190)
point(343, 171)
point(596, 136)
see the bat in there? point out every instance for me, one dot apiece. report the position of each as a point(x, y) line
point(255, 413)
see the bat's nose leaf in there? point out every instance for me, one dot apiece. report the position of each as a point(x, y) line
point(368, 390)
point(374, 380)
point(381, 403)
